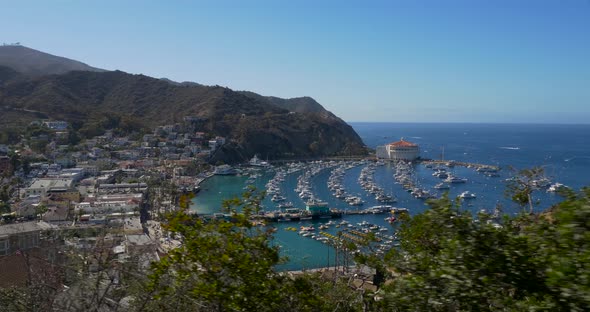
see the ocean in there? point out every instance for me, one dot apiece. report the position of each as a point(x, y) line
point(563, 151)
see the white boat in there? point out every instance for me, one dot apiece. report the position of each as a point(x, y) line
point(382, 198)
point(286, 205)
point(225, 170)
point(379, 209)
point(555, 187)
point(305, 195)
point(452, 179)
point(442, 186)
point(467, 195)
point(356, 202)
point(256, 162)
point(277, 198)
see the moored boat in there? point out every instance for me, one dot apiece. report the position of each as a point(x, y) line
point(467, 195)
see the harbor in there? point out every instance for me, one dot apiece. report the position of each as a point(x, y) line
point(312, 195)
point(306, 202)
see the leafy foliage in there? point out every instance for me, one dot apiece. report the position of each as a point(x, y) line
point(520, 187)
point(222, 264)
point(448, 260)
point(228, 265)
point(451, 260)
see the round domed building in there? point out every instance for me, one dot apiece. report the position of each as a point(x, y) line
point(400, 150)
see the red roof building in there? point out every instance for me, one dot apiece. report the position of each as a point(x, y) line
point(400, 150)
point(402, 143)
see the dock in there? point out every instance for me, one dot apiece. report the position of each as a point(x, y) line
point(272, 217)
point(459, 163)
point(372, 158)
point(334, 214)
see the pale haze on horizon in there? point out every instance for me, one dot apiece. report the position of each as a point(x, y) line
point(386, 61)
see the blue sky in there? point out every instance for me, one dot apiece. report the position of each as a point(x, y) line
point(414, 61)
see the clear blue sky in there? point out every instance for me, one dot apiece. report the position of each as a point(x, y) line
point(439, 60)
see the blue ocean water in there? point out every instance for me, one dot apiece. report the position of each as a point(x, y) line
point(562, 150)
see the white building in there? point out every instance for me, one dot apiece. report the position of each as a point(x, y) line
point(216, 143)
point(57, 125)
point(42, 186)
point(21, 236)
point(381, 152)
point(400, 150)
point(109, 203)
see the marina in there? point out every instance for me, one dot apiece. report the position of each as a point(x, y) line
point(308, 204)
point(334, 180)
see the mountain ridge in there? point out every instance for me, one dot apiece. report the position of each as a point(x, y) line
point(269, 126)
point(37, 63)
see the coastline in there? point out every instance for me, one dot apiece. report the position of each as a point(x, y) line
point(204, 177)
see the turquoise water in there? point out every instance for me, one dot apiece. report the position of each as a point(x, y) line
point(302, 252)
point(562, 150)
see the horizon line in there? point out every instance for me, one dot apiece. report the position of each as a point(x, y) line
point(471, 122)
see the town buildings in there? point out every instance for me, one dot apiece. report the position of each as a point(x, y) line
point(44, 185)
point(19, 237)
point(5, 165)
point(91, 195)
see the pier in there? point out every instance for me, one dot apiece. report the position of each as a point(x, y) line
point(373, 158)
point(331, 158)
point(301, 216)
point(459, 163)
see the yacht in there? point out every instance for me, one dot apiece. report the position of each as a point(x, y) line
point(555, 187)
point(277, 198)
point(442, 186)
point(256, 162)
point(441, 174)
point(452, 179)
point(382, 198)
point(356, 201)
point(379, 209)
point(467, 195)
point(225, 170)
point(286, 205)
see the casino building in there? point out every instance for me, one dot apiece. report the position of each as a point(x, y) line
point(400, 150)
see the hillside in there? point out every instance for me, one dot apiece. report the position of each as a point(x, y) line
point(303, 104)
point(7, 74)
point(253, 125)
point(36, 63)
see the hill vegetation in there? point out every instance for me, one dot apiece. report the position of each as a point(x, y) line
point(303, 104)
point(90, 100)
